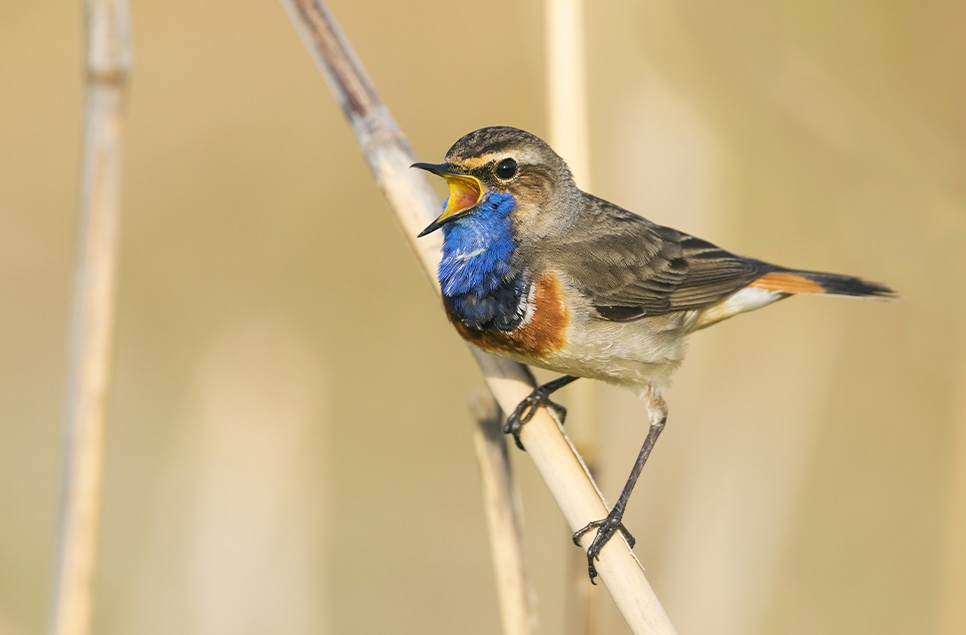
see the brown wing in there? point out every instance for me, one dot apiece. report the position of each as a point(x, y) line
point(631, 268)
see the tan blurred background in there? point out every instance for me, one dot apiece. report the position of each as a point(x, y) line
point(289, 449)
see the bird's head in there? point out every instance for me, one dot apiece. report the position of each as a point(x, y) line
point(510, 161)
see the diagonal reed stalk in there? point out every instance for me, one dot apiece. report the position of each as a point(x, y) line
point(413, 203)
point(108, 65)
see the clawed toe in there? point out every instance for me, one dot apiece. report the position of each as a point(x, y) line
point(606, 528)
point(526, 409)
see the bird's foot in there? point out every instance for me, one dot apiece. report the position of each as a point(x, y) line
point(539, 398)
point(606, 528)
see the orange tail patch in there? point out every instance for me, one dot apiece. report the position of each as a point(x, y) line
point(787, 283)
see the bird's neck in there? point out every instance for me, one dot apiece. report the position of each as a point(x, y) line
point(475, 275)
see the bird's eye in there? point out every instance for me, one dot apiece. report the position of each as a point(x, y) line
point(506, 169)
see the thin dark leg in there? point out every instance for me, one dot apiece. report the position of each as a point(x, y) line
point(607, 527)
point(540, 397)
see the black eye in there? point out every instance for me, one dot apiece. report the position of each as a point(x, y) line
point(507, 169)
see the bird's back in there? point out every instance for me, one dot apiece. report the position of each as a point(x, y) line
point(635, 289)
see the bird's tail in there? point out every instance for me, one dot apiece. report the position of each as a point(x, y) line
point(794, 281)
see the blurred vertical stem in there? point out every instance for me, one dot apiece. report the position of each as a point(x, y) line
point(501, 502)
point(568, 124)
point(414, 204)
point(108, 65)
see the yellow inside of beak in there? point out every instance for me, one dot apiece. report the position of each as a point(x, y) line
point(464, 192)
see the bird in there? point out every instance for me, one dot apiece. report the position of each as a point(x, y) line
point(536, 270)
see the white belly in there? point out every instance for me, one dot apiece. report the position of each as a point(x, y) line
point(632, 354)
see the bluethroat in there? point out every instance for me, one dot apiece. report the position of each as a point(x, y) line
point(536, 270)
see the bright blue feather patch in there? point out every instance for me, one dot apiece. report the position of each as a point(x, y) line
point(474, 273)
point(477, 248)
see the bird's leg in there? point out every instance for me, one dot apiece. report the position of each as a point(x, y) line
point(607, 527)
point(540, 397)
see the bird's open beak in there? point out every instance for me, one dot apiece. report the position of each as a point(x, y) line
point(465, 192)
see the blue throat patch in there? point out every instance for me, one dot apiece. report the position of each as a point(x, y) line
point(475, 275)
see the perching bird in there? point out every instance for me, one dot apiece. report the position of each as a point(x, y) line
point(536, 270)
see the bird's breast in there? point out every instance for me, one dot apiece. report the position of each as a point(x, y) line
point(542, 331)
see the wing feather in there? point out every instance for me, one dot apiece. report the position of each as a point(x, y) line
point(630, 268)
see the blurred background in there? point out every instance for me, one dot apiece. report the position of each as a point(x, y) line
point(289, 448)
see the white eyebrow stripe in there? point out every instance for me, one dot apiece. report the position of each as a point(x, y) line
point(523, 156)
